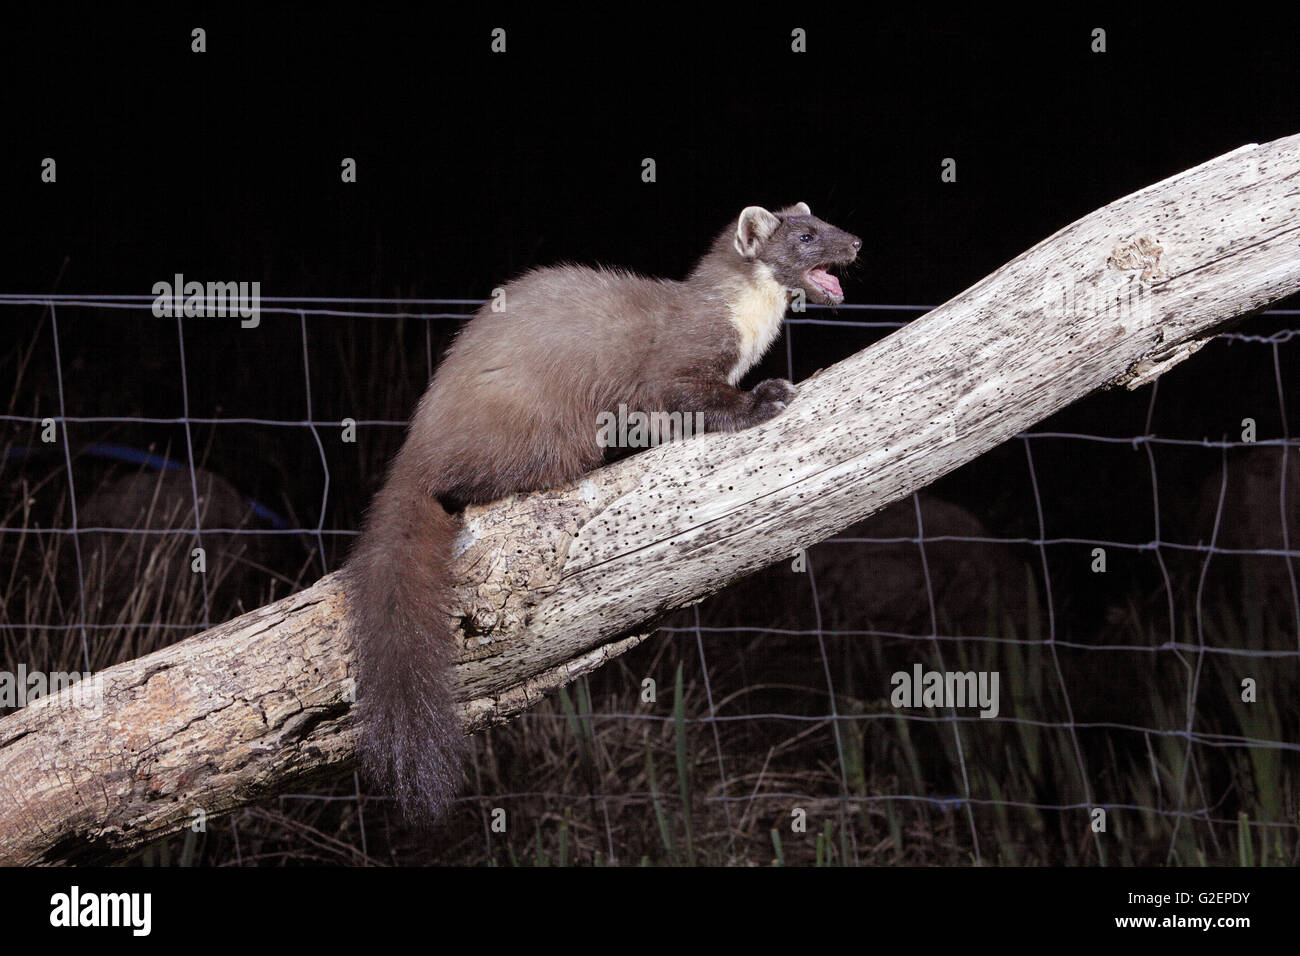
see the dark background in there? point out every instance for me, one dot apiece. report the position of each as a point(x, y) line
point(473, 167)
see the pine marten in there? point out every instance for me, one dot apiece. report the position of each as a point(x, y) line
point(513, 407)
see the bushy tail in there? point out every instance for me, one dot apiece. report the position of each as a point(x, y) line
point(397, 582)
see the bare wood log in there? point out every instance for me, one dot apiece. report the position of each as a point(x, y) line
point(554, 584)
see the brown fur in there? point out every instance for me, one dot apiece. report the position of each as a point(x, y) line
point(513, 408)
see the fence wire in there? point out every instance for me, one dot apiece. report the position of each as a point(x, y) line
point(1190, 655)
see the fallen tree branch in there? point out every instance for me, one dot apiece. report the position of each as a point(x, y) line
point(554, 584)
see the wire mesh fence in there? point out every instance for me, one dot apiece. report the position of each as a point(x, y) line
point(1205, 748)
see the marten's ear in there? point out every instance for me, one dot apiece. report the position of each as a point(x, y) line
point(798, 209)
point(753, 228)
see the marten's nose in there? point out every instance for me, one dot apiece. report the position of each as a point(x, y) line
point(857, 245)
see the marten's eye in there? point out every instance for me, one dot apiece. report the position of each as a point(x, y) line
point(806, 237)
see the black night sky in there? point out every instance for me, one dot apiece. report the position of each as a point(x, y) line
point(473, 166)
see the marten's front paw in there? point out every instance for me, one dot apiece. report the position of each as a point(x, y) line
point(776, 390)
point(770, 399)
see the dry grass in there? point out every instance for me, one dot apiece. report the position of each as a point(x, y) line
point(737, 739)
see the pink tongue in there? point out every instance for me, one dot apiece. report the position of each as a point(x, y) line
point(826, 281)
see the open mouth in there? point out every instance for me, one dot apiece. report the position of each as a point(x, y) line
point(820, 278)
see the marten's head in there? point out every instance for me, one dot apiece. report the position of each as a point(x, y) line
point(799, 248)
